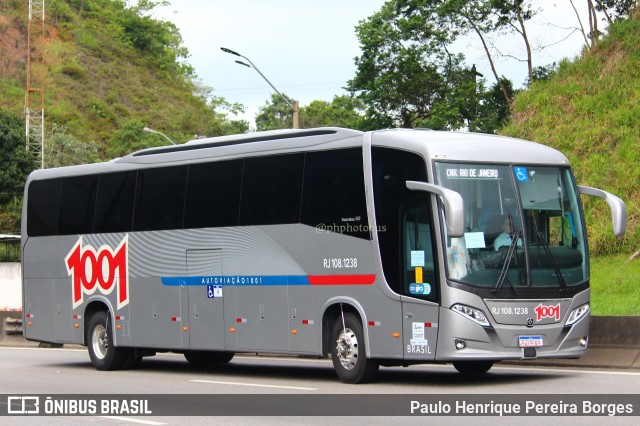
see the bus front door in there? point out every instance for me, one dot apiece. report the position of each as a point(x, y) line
point(419, 292)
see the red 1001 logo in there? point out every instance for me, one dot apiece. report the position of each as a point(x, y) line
point(103, 269)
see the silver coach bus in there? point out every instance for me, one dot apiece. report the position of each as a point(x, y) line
point(392, 247)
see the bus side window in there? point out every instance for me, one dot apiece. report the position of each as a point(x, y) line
point(160, 198)
point(78, 205)
point(213, 194)
point(333, 193)
point(114, 205)
point(43, 207)
point(271, 190)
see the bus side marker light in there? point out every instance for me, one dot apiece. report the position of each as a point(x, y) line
point(185, 328)
point(396, 335)
point(374, 323)
point(29, 323)
point(232, 330)
point(118, 326)
point(294, 331)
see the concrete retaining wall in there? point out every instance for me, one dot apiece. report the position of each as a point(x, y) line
point(10, 286)
point(615, 331)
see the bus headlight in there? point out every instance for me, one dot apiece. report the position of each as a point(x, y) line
point(475, 315)
point(577, 313)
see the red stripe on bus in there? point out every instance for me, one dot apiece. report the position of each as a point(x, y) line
point(367, 279)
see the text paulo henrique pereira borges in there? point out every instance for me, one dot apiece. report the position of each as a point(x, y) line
point(492, 408)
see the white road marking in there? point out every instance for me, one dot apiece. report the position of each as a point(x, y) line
point(127, 419)
point(565, 370)
point(253, 384)
point(17, 348)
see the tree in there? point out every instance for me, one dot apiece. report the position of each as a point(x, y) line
point(402, 73)
point(220, 124)
point(407, 76)
point(342, 111)
point(479, 17)
point(510, 12)
point(616, 9)
point(494, 111)
point(63, 149)
point(275, 114)
point(130, 138)
point(17, 163)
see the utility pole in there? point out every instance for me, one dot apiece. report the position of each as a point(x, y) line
point(295, 108)
point(34, 96)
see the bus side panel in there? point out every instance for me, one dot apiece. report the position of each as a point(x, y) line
point(64, 321)
point(305, 330)
point(38, 309)
point(157, 316)
point(46, 289)
point(262, 312)
point(206, 300)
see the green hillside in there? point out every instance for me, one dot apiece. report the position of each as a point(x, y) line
point(110, 70)
point(590, 110)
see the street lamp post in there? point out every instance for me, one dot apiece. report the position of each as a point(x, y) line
point(155, 132)
point(293, 105)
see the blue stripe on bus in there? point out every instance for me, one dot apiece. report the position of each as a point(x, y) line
point(236, 280)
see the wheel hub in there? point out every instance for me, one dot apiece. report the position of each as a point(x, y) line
point(100, 341)
point(347, 349)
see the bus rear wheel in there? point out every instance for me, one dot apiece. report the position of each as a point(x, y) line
point(104, 355)
point(208, 358)
point(473, 368)
point(348, 351)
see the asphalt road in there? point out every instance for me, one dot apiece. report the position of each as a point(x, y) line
point(28, 371)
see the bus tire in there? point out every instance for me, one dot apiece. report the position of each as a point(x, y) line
point(208, 358)
point(348, 351)
point(133, 361)
point(473, 368)
point(104, 355)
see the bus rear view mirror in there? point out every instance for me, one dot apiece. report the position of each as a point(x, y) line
point(617, 206)
point(453, 205)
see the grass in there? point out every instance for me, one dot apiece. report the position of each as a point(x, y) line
point(615, 286)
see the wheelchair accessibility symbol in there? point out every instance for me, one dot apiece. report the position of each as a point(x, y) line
point(521, 174)
point(214, 291)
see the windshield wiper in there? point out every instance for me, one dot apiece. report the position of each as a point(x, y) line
point(506, 264)
point(540, 241)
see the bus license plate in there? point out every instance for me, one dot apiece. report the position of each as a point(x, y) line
point(530, 341)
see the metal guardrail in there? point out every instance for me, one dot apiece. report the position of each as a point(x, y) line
point(12, 326)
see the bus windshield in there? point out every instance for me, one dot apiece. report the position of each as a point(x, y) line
point(523, 226)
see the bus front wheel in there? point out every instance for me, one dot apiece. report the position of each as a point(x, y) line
point(472, 368)
point(348, 351)
point(104, 355)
